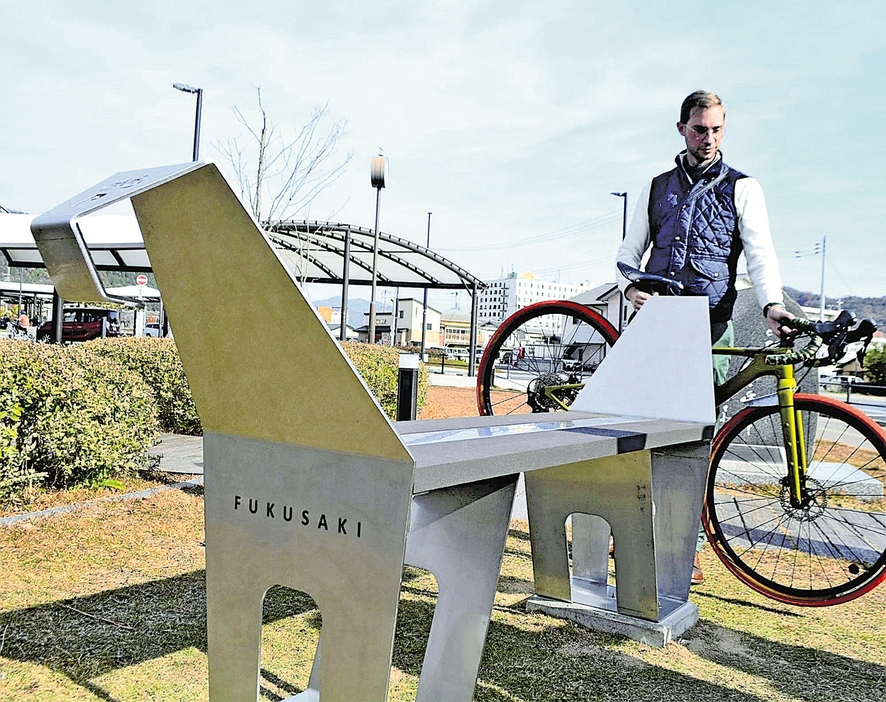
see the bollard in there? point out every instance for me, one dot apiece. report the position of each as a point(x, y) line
point(407, 387)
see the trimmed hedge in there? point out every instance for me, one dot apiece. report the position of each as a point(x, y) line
point(86, 412)
point(69, 416)
point(158, 363)
point(378, 366)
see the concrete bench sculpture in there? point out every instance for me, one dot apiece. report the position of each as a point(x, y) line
point(308, 485)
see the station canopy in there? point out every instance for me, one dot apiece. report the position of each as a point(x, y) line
point(314, 252)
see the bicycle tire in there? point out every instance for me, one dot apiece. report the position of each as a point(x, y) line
point(567, 357)
point(831, 551)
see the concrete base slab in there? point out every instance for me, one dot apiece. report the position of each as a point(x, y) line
point(650, 633)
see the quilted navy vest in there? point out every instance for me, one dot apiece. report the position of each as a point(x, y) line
point(694, 231)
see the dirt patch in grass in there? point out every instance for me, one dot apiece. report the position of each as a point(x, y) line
point(444, 402)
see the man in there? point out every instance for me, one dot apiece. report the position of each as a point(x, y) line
point(696, 220)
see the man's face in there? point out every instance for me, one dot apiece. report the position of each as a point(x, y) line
point(703, 133)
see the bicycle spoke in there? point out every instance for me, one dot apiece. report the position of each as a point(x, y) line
point(544, 353)
point(831, 545)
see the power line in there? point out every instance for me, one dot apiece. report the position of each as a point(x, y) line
point(572, 230)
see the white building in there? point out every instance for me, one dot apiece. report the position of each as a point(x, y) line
point(408, 316)
point(409, 321)
point(505, 296)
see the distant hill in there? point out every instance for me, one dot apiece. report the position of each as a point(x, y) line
point(873, 307)
point(356, 308)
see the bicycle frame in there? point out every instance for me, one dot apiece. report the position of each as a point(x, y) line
point(791, 421)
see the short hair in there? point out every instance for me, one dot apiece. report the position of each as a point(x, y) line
point(700, 98)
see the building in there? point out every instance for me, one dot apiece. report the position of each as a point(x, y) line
point(409, 321)
point(505, 296)
point(331, 315)
point(382, 327)
point(408, 316)
point(456, 332)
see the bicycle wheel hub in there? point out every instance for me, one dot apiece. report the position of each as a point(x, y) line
point(815, 501)
point(540, 399)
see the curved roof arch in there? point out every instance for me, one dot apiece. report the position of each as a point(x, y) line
point(315, 252)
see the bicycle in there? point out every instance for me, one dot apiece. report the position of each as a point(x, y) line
point(547, 350)
point(794, 501)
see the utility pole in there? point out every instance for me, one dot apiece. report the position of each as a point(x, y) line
point(824, 241)
point(818, 249)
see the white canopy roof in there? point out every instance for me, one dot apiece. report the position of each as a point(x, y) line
point(314, 252)
point(115, 242)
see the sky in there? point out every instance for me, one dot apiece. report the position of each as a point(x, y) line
point(512, 121)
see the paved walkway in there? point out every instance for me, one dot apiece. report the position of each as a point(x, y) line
point(453, 379)
point(180, 454)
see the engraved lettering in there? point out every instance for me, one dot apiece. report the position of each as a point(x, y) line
point(257, 506)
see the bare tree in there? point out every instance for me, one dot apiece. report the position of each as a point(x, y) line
point(279, 176)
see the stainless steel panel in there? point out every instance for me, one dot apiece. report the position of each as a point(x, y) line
point(325, 523)
point(459, 535)
point(619, 489)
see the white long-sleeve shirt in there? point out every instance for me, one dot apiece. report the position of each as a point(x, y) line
point(753, 227)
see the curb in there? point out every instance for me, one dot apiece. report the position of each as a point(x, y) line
point(141, 494)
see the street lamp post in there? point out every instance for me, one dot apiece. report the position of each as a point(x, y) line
point(378, 176)
point(624, 214)
point(185, 88)
point(424, 306)
point(624, 233)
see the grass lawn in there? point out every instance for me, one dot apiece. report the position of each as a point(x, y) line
point(108, 603)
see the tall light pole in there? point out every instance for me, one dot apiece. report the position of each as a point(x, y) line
point(624, 233)
point(424, 304)
point(185, 88)
point(378, 175)
point(624, 214)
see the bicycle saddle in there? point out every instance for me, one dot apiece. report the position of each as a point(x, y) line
point(649, 282)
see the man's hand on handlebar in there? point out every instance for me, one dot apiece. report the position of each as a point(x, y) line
point(637, 297)
point(776, 316)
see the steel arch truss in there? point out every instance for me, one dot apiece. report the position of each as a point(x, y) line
point(332, 252)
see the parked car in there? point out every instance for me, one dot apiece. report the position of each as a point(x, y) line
point(153, 329)
point(83, 324)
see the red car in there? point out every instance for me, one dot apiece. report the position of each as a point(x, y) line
point(83, 324)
